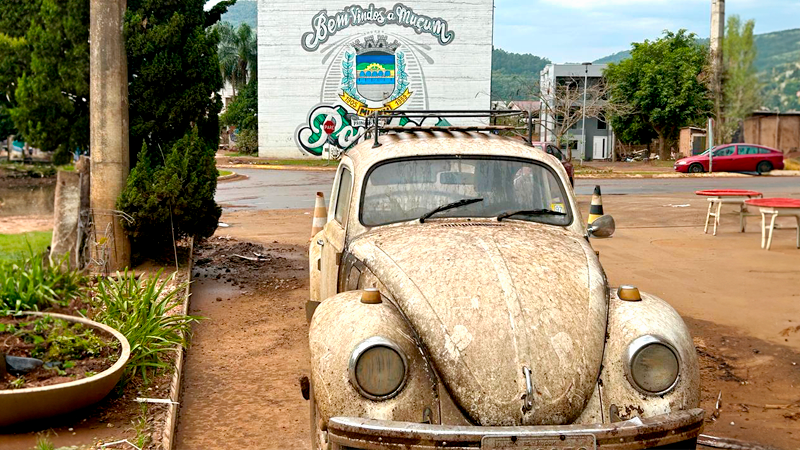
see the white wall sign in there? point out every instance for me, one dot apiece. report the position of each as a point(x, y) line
point(324, 66)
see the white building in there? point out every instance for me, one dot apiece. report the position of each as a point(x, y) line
point(599, 142)
point(328, 64)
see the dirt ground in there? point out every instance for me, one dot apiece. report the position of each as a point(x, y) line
point(740, 303)
point(241, 378)
point(25, 224)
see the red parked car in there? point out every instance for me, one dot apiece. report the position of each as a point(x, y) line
point(551, 149)
point(734, 158)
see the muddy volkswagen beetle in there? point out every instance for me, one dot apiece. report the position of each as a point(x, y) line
point(456, 302)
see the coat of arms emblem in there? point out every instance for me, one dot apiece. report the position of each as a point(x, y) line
point(375, 73)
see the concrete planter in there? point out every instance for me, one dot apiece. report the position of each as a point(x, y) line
point(21, 405)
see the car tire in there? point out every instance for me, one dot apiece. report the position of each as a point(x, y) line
point(696, 168)
point(764, 167)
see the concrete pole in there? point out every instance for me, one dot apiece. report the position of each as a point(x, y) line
point(583, 111)
point(716, 54)
point(108, 88)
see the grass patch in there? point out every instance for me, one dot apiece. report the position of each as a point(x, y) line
point(791, 164)
point(34, 283)
point(223, 173)
point(17, 246)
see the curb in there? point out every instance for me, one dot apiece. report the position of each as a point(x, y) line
point(168, 438)
point(228, 177)
point(277, 167)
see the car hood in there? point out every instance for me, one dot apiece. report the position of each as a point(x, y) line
point(489, 298)
point(695, 158)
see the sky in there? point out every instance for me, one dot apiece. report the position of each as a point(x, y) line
point(586, 30)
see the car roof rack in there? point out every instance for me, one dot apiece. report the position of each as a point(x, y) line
point(381, 121)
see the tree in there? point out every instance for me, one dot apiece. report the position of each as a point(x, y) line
point(784, 92)
point(242, 114)
point(513, 74)
point(663, 83)
point(174, 80)
point(242, 111)
point(563, 107)
point(237, 54)
point(173, 73)
point(741, 88)
point(15, 19)
point(52, 96)
point(173, 199)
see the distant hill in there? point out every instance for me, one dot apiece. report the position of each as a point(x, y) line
point(778, 53)
point(244, 11)
point(515, 75)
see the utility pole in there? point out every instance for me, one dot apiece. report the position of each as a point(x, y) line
point(583, 110)
point(717, 64)
point(108, 112)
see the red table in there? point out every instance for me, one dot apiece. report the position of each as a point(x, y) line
point(775, 207)
point(718, 197)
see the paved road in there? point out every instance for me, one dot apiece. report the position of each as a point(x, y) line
point(281, 189)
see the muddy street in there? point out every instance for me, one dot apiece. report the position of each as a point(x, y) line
point(241, 378)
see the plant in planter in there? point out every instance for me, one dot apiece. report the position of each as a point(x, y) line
point(45, 350)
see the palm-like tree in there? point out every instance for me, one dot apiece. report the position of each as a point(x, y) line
point(237, 54)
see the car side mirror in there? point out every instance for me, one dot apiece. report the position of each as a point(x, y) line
point(603, 227)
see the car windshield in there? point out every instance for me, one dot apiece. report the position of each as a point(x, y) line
point(404, 190)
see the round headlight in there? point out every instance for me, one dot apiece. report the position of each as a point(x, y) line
point(653, 365)
point(378, 368)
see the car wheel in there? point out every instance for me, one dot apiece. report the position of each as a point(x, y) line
point(764, 167)
point(696, 168)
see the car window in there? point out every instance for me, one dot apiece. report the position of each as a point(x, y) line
point(404, 190)
point(764, 151)
point(724, 151)
point(555, 152)
point(748, 150)
point(343, 196)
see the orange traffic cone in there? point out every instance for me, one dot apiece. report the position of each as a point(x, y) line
point(320, 215)
point(596, 210)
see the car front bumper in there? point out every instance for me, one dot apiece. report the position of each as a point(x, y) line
point(658, 431)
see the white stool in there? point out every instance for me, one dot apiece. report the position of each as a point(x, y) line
point(766, 238)
point(718, 202)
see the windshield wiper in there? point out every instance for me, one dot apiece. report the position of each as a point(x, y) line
point(458, 204)
point(529, 212)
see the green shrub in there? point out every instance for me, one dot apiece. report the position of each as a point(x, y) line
point(247, 142)
point(173, 189)
point(143, 311)
point(34, 283)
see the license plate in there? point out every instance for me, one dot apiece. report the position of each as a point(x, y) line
point(573, 442)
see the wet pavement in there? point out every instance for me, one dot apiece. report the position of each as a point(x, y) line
point(282, 189)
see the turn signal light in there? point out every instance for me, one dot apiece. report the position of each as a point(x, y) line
point(371, 296)
point(629, 293)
